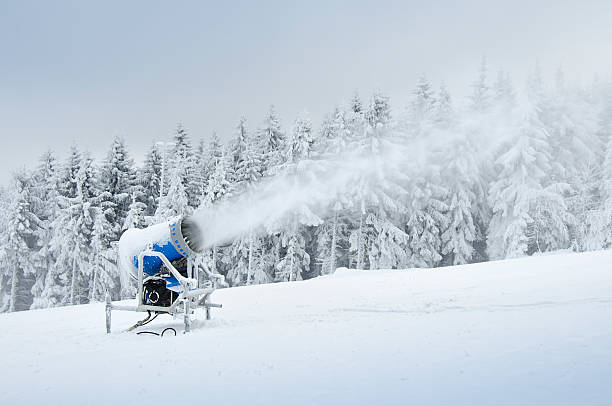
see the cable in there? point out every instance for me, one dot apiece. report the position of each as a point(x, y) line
point(158, 334)
point(148, 332)
point(141, 322)
point(150, 320)
point(166, 329)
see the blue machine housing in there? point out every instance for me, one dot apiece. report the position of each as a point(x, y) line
point(170, 239)
point(152, 265)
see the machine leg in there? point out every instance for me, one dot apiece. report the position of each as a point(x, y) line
point(109, 307)
point(186, 314)
point(207, 313)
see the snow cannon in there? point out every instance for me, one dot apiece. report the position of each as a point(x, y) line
point(172, 278)
point(176, 239)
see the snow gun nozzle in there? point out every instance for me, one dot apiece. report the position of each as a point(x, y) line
point(192, 235)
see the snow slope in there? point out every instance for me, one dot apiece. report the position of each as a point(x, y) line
point(528, 331)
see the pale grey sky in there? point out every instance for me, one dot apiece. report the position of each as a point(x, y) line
point(83, 71)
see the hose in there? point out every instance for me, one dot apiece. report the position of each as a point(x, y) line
point(158, 334)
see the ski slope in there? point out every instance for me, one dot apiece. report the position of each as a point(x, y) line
point(530, 331)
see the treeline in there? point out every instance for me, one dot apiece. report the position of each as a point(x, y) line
point(503, 176)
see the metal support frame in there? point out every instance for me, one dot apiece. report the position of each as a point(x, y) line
point(191, 298)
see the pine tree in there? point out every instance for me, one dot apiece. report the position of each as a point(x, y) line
point(465, 192)
point(607, 191)
point(22, 225)
point(443, 113)
point(248, 170)
point(118, 178)
point(271, 142)
point(301, 142)
point(332, 235)
point(294, 260)
point(184, 164)
point(218, 185)
point(150, 179)
point(599, 219)
point(67, 180)
point(240, 144)
point(377, 241)
point(327, 131)
point(355, 105)
point(535, 85)
point(45, 208)
point(480, 98)
point(208, 163)
point(175, 202)
point(68, 281)
point(426, 223)
point(201, 175)
point(136, 216)
point(103, 261)
point(5, 275)
point(503, 93)
point(528, 215)
point(245, 255)
point(424, 102)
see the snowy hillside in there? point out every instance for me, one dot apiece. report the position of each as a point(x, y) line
point(528, 331)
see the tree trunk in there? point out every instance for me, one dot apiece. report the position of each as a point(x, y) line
point(250, 268)
point(292, 267)
point(294, 245)
point(72, 283)
point(360, 243)
point(93, 286)
point(332, 259)
point(214, 259)
point(13, 289)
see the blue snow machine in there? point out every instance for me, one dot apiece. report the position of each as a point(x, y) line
point(171, 276)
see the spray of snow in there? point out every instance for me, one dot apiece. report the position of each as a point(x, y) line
point(310, 188)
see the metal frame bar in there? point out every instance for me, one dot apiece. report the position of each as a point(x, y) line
point(191, 298)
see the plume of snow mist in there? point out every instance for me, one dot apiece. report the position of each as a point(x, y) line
point(307, 189)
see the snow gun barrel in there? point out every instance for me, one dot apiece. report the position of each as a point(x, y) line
point(177, 238)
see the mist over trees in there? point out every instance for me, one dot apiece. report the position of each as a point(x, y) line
point(508, 173)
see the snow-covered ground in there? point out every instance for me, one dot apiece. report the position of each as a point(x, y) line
point(529, 331)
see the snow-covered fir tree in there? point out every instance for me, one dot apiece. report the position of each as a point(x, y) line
point(136, 216)
point(424, 102)
point(19, 257)
point(184, 164)
point(45, 208)
point(271, 141)
point(529, 213)
point(443, 113)
point(103, 261)
point(503, 92)
point(118, 178)
point(481, 98)
point(427, 222)
point(294, 261)
point(464, 192)
point(219, 186)
point(68, 281)
point(246, 265)
point(149, 177)
point(377, 241)
point(175, 202)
